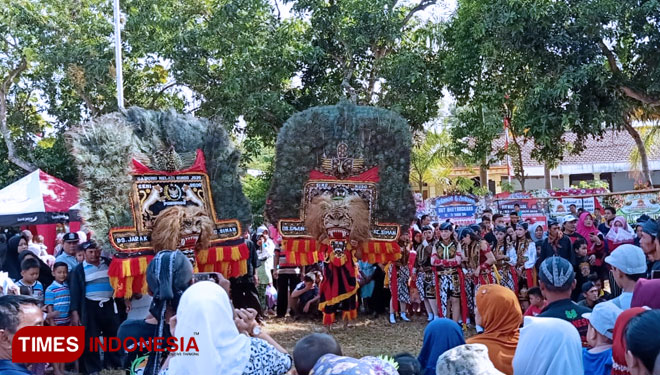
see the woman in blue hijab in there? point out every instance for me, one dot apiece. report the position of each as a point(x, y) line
point(440, 335)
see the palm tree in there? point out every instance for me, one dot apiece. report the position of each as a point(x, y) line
point(650, 137)
point(431, 158)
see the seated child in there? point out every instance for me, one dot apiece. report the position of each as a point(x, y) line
point(536, 302)
point(310, 348)
point(598, 359)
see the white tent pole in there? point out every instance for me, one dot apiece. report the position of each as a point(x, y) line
point(118, 60)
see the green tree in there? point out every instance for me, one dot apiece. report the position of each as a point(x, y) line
point(57, 69)
point(473, 129)
point(241, 60)
point(373, 52)
point(576, 66)
point(256, 180)
point(431, 154)
point(236, 56)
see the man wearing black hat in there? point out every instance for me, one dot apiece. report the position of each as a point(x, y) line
point(590, 292)
point(69, 246)
point(93, 306)
point(557, 281)
point(556, 244)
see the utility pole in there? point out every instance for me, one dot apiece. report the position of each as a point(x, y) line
point(507, 123)
point(118, 60)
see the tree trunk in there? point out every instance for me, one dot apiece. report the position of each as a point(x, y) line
point(521, 179)
point(646, 172)
point(547, 176)
point(483, 176)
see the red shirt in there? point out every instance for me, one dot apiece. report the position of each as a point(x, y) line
point(532, 310)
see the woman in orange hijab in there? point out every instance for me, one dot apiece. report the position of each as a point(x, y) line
point(498, 312)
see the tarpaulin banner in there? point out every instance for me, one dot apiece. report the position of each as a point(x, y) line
point(460, 209)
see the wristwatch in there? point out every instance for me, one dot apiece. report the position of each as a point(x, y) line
point(256, 331)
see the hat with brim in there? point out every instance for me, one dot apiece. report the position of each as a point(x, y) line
point(71, 237)
point(628, 258)
point(603, 317)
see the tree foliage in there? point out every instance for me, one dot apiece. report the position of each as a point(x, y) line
point(235, 60)
point(431, 153)
point(57, 69)
point(562, 65)
point(374, 52)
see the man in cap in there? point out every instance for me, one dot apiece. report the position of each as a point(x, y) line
point(556, 244)
point(651, 246)
point(570, 228)
point(591, 293)
point(628, 265)
point(598, 359)
point(557, 280)
point(69, 247)
point(93, 306)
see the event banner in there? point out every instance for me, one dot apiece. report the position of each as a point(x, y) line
point(460, 209)
point(561, 207)
point(531, 208)
point(632, 206)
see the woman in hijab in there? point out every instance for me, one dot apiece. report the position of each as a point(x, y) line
point(538, 235)
point(206, 314)
point(646, 293)
point(548, 346)
point(498, 312)
point(440, 335)
point(619, 365)
point(619, 233)
point(595, 243)
point(470, 359)
point(45, 273)
point(11, 264)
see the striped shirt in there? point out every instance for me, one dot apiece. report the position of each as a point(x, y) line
point(36, 289)
point(70, 260)
point(58, 296)
point(97, 282)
